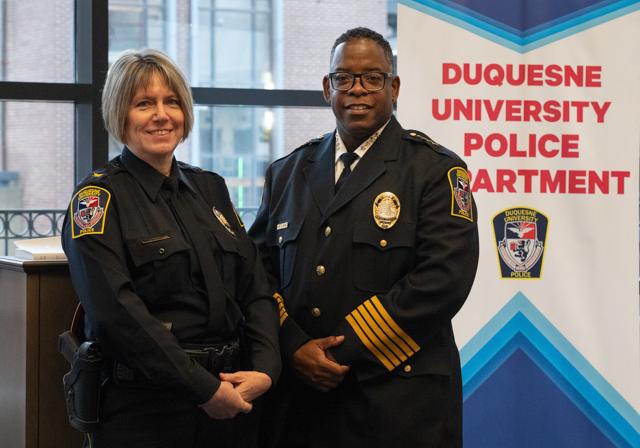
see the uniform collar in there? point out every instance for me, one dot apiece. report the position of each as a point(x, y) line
point(148, 177)
point(364, 146)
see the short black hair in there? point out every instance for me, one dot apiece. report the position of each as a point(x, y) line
point(364, 33)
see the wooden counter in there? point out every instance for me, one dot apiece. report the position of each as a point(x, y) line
point(36, 304)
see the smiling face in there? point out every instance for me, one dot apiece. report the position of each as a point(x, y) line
point(155, 124)
point(360, 113)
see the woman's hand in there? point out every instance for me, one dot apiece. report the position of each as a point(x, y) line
point(249, 384)
point(226, 403)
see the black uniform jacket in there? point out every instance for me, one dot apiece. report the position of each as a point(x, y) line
point(391, 290)
point(130, 243)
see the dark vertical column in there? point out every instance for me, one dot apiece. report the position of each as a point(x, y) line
point(3, 61)
point(92, 51)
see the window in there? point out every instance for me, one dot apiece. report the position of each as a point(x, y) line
point(136, 24)
point(256, 68)
point(232, 44)
point(37, 47)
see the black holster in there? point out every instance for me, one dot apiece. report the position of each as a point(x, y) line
point(83, 382)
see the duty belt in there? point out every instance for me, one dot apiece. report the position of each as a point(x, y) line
point(215, 358)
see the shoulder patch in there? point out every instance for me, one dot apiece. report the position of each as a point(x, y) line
point(88, 211)
point(461, 200)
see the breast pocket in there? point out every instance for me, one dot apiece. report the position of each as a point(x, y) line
point(161, 266)
point(229, 253)
point(285, 243)
point(381, 257)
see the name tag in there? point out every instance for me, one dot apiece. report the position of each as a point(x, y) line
point(282, 225)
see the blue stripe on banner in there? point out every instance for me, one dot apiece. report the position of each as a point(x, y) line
point(581, 23)
point(533, 38)
point(494, 344)
point(489, 359)
point(521, 406)
point(520, 342)
point(524, 18)
point(609, 5)
point(600, 413)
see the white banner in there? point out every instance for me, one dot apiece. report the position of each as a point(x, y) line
point(542, 102)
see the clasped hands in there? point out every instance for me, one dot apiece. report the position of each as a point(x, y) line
point(236, 393)
point(312, 362)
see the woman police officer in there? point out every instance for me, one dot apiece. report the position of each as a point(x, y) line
point(170, 283)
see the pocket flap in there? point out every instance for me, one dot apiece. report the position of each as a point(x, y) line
point(226, 241)
point(400, 235)
point(155, 248)
point(280, 234)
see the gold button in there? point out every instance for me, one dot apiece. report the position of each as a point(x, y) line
point(315, 312)
point(161, 251)
point(280, 239)
point(407, 368)
point(320, 270)
point(327, 231)
point(383, 243)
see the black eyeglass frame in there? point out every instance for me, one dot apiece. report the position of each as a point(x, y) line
point(360, 75)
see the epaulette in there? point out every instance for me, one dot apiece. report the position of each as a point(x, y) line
point(419, 137)
point(313, 141)
point(104, 171)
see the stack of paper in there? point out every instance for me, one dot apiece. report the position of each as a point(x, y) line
point(40, 249)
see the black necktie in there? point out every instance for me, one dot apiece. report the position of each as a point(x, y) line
point(347, 159)
point(212, 279)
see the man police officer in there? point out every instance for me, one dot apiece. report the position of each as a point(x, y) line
point(370, 235)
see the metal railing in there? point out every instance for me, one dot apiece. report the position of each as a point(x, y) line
point(25, 224)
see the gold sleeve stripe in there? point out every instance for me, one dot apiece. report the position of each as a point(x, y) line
point(394, 326)
point(281, 308)
point(388, 331)
point(380, 333)
point(374, 339)
point(367, 343)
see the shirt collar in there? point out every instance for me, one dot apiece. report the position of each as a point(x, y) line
point(147, 176)
point(364, 146)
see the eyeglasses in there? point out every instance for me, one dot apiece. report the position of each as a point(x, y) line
point(371, 81)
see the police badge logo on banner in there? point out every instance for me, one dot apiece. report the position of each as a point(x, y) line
point(521, 235)
point(88, 211)
point(461, 202)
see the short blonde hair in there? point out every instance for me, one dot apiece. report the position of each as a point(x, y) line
point(132, 71)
